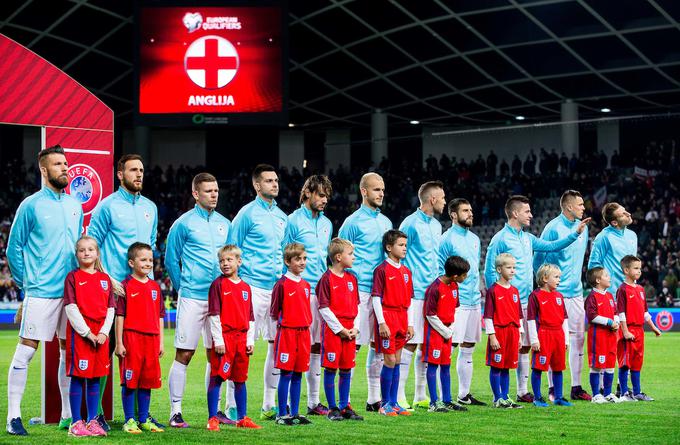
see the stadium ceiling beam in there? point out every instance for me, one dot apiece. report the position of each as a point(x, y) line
point(54, 24)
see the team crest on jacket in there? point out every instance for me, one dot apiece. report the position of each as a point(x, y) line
point(84, 185)
point(128, 374)
point(331, 356)
point(436, 353)
point(225, 367)
point(284, 357)
point(514, 298)
point(454, 293)
point(601, 359)
point(307, 293)
point(220, 228)
point(154, 295)
point(406, 278)
point(558, 300)
point(245, 295)
point(542, 359)
point(105, 284)
point(83, 364)
point(350, 286)
point(386, 343)
point(147, 216)
point(497, 358)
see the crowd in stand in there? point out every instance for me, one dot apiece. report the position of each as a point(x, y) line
point(653, 198)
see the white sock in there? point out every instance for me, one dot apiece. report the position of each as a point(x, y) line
point(64, 385)
point(230, 395)
point(420, 372)
point(404, 369)
point(313, 377)
point(271, 379)
point(576, 357)
point(374, 362)
point(550, 380)
point(177, 380)
point(351, 377)
point(522, 374)
point(464, 370)
point(207, 383)
point(16, 379)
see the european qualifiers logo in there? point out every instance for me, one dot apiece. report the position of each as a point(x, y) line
point(84, 185)
point(193, 21)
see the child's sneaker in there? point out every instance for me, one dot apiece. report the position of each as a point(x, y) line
point(611, 398)
point(318, 410)
point(454, 406)
point(95, 428)
point(540, 403)
point(334, 415)
point(525, 398)
point(400, 411)
point(438, 407)
point(642, 397)
point(562, 402)
point(79, 429)
point(627, 397)
point(213, 424)
point(284, 420)
point(246, 422)
point(501, 403)
point(578, 393)
point(301, 420)
point(387, 410)
point(131, 427)
point(512, 404)
point(102, 422)
point(599, 399)
point(349, 414)
point(151, 427)
point(64, 424)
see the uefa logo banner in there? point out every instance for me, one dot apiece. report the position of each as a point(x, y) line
point(85, 185)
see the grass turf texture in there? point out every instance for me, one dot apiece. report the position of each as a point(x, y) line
point(656, 422)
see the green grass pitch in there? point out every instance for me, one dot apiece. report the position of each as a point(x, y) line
point(656, 422)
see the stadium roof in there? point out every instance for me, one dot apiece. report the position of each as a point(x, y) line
point(440, 62)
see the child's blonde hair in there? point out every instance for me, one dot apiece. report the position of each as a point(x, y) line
point(337, 246)
point(544, 271)
point(502, 259)
point(231, 249)
point(98, 262)
point(293, 250)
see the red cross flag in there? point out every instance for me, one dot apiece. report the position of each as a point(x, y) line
point(211, 62)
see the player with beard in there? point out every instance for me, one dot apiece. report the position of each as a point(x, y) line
point(570, 261)
point(458, 240)
point(613, 243)
point(521, 245)
point(424, 233)
point(119, 220)
point(365, 229)
point(192, 264)
point(259, 230)
point(309, 227)
point(40, 252)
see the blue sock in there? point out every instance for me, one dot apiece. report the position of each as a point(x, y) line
point(295, 388)
point(92, 398)
point(75, 397)
point(329, 386)
point(432, 382)
point(386, 383)
point(595, 382)
point(214, 386)
point(284, 385)
point(495, 382)
point(505, 383)
point(536, 383)
point(394, 389)
point(635, 380)
point(557, 384)
point(241, 396)
point(128, 396)
point(623, 379)
point(445, 378)
point(608, 381)
point(143, 403)
point(343, 386)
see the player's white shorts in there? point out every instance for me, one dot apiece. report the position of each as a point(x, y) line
point(265, 327)
point(467, 327)
point(191, 323)
point(418, 319)
point(366, 318)
point(576, 313)
point(42, 318)
point(315, 328)
point(524, 336)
